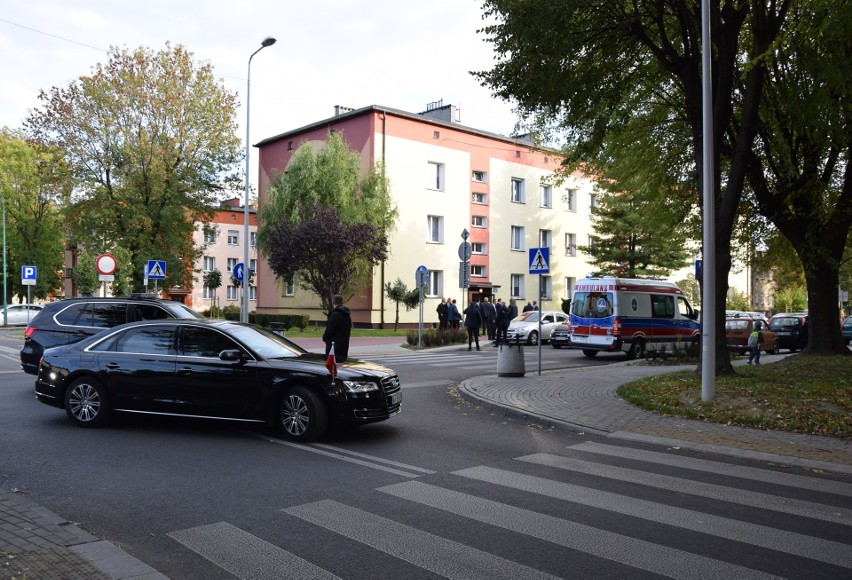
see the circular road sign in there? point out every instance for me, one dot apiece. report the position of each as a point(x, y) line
point(106, 264)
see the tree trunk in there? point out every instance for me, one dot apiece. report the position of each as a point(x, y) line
point(824, 336)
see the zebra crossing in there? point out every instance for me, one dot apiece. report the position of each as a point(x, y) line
point(572, 515)
point(484, 359)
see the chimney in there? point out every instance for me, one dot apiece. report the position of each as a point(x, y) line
point(438, 110)
point(341, 110)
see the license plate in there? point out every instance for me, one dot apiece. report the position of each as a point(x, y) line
point(579, 338)
point(395, 398)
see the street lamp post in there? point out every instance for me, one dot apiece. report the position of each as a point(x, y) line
point(5, 308)
point(268, 41)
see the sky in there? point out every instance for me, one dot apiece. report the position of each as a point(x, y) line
point(355, 53)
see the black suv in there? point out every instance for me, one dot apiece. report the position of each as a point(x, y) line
point(791, 328)
point(73, 319)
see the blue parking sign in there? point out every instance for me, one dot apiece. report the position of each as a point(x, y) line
point(28, 272)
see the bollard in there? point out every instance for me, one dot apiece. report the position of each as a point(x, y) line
point(510, 360)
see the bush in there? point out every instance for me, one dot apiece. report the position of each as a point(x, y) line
point(281, 321)
point(433, 337)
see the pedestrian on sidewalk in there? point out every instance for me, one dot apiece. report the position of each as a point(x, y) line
point(503, 320)
point(755, 342)
point(442, 314)
point(489, 318)
point(453, 314)
point(338, 329)
point(472, 322)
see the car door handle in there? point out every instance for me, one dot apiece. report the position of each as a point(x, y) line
point(185, 371)
point(112, 366)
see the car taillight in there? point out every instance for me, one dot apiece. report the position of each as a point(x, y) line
point(616, 327)
point(29, 331)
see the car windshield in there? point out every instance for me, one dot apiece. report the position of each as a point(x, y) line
point(592, 304)
point(782, 323)
point(737, 324)
point(266, 343)
point(530, 316)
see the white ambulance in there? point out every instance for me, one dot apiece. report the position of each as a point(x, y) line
point(631, 315)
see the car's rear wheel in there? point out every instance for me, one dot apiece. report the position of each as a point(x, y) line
point(774, 350)
point(590, 353)
point(533, 337)
point(86, 403)
point(637, 349)
point(302, 416)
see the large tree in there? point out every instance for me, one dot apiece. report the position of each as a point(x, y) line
point(799, 169)
point(152, 139)
point(331, 178)
point(34, 183)
point(326, 252)
point(607, 67)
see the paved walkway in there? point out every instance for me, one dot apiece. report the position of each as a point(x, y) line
point(37, 543)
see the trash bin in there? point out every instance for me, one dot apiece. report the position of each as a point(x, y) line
point(278, 328)
point(510, 360)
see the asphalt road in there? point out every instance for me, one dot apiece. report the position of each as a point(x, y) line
point(443, 489)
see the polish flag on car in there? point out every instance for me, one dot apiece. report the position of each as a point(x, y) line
point(331, 362)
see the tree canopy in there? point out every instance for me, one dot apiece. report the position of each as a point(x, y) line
point(152, 141)
point(327, 219)
point(613, 77)
point(34, 182)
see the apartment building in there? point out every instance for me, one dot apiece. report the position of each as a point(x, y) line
point(223, 242)
point(446, 179)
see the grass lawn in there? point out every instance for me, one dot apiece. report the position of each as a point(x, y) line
point(802, 394)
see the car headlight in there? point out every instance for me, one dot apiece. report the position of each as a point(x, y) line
point(360, 386)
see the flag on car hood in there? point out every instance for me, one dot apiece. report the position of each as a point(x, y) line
point(331, 362)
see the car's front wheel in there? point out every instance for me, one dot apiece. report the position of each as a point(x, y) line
point(86, 403)
point(302, 416)
point(533, 338)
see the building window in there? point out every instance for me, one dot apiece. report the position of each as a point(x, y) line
point(435, 176)
point(517, 242)
point(435, 229)
point(232, 292)
point(569, 199)
point(233, 238)
point(209, 293)
point(210, 237)
point(545, 237)
point(436, 283)
point(593, 203)
point(478, 221)
point(478, 248)
point(477, 271)
point(253, 293)
point(253, 238)
point(479, 198)
point(479, 176)
point(209, 264)
point(546, 192)
point(592, 242)
point(516, 285)
point(546, 287)
point(231, 263)
point(570, 244)
point(518, 194)
point(253, 265)
point(288, 287)
point(569, 288)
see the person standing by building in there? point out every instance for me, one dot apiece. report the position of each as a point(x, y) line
point(472, 322)
point(442, 314)
point(489, 317)
point(453, 314)
point(528, 307)
point(338, 329)
point(513, 309)
point(503, 320)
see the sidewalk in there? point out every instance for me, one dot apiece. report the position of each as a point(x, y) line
point(585, 400)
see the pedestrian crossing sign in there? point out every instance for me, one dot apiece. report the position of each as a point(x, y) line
point(539, 260)
point(156, 270)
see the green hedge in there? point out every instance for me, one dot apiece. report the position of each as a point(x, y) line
point(433, 337)
point(288, 321)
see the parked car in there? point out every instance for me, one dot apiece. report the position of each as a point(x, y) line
point(561, 336)
point(792, 330)
point(525, 327)
point(17, 314)
point(212, 369)
point(73, 319)
point(846, 329)
point(737, 331)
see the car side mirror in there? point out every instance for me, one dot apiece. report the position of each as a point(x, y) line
point(232, 355)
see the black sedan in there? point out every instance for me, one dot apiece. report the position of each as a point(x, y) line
point(212, 369)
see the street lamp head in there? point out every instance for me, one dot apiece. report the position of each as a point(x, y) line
point(268, 41)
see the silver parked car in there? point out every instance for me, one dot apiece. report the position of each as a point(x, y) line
point(524, 328)
point(19, 313)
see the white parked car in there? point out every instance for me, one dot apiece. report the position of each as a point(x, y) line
point(525, 327)
point(19, 313)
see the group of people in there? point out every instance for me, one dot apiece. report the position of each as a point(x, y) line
point(480, 318)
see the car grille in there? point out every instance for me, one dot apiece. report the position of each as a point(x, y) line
point(391, 387)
